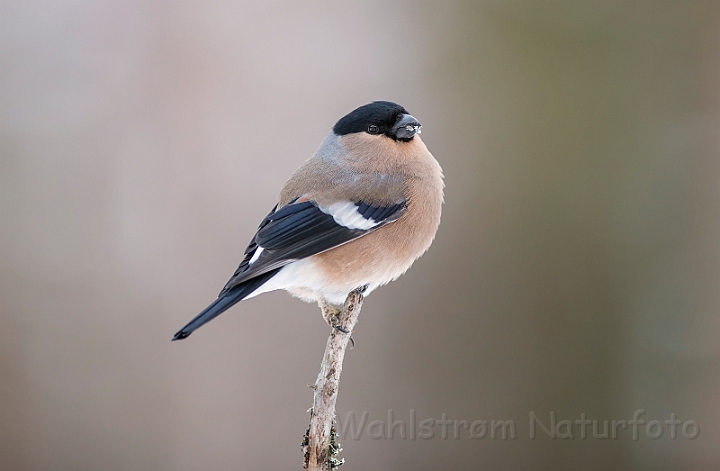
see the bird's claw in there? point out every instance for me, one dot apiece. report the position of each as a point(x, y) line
point(329, 313)
point(344, 331)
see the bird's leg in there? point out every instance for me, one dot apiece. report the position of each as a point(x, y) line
point(330, 314)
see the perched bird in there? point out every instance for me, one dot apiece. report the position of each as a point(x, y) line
point(355, 215)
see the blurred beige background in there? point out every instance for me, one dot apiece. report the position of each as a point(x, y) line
point(576, 270)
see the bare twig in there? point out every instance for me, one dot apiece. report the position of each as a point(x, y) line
point(319, 447)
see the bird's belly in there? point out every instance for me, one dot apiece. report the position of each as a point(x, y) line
point(305, 280)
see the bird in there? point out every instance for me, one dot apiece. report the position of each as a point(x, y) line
point(354, 216)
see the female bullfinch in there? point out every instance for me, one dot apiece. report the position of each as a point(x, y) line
point(354, 216)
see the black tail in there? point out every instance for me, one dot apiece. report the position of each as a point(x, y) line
point(224, 302)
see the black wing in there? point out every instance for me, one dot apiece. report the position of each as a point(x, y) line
point(300, 230)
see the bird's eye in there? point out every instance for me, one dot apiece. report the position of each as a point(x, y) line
point(373, 129)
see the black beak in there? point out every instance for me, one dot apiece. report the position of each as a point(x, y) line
point(406, 128)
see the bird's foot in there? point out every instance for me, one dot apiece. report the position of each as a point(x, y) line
point(332, 317)
point(340, 329)
point(330, 314)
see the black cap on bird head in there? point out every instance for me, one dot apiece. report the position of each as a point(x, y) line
point(379, 118)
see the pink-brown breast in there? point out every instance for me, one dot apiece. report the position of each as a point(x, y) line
point(408, 171)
